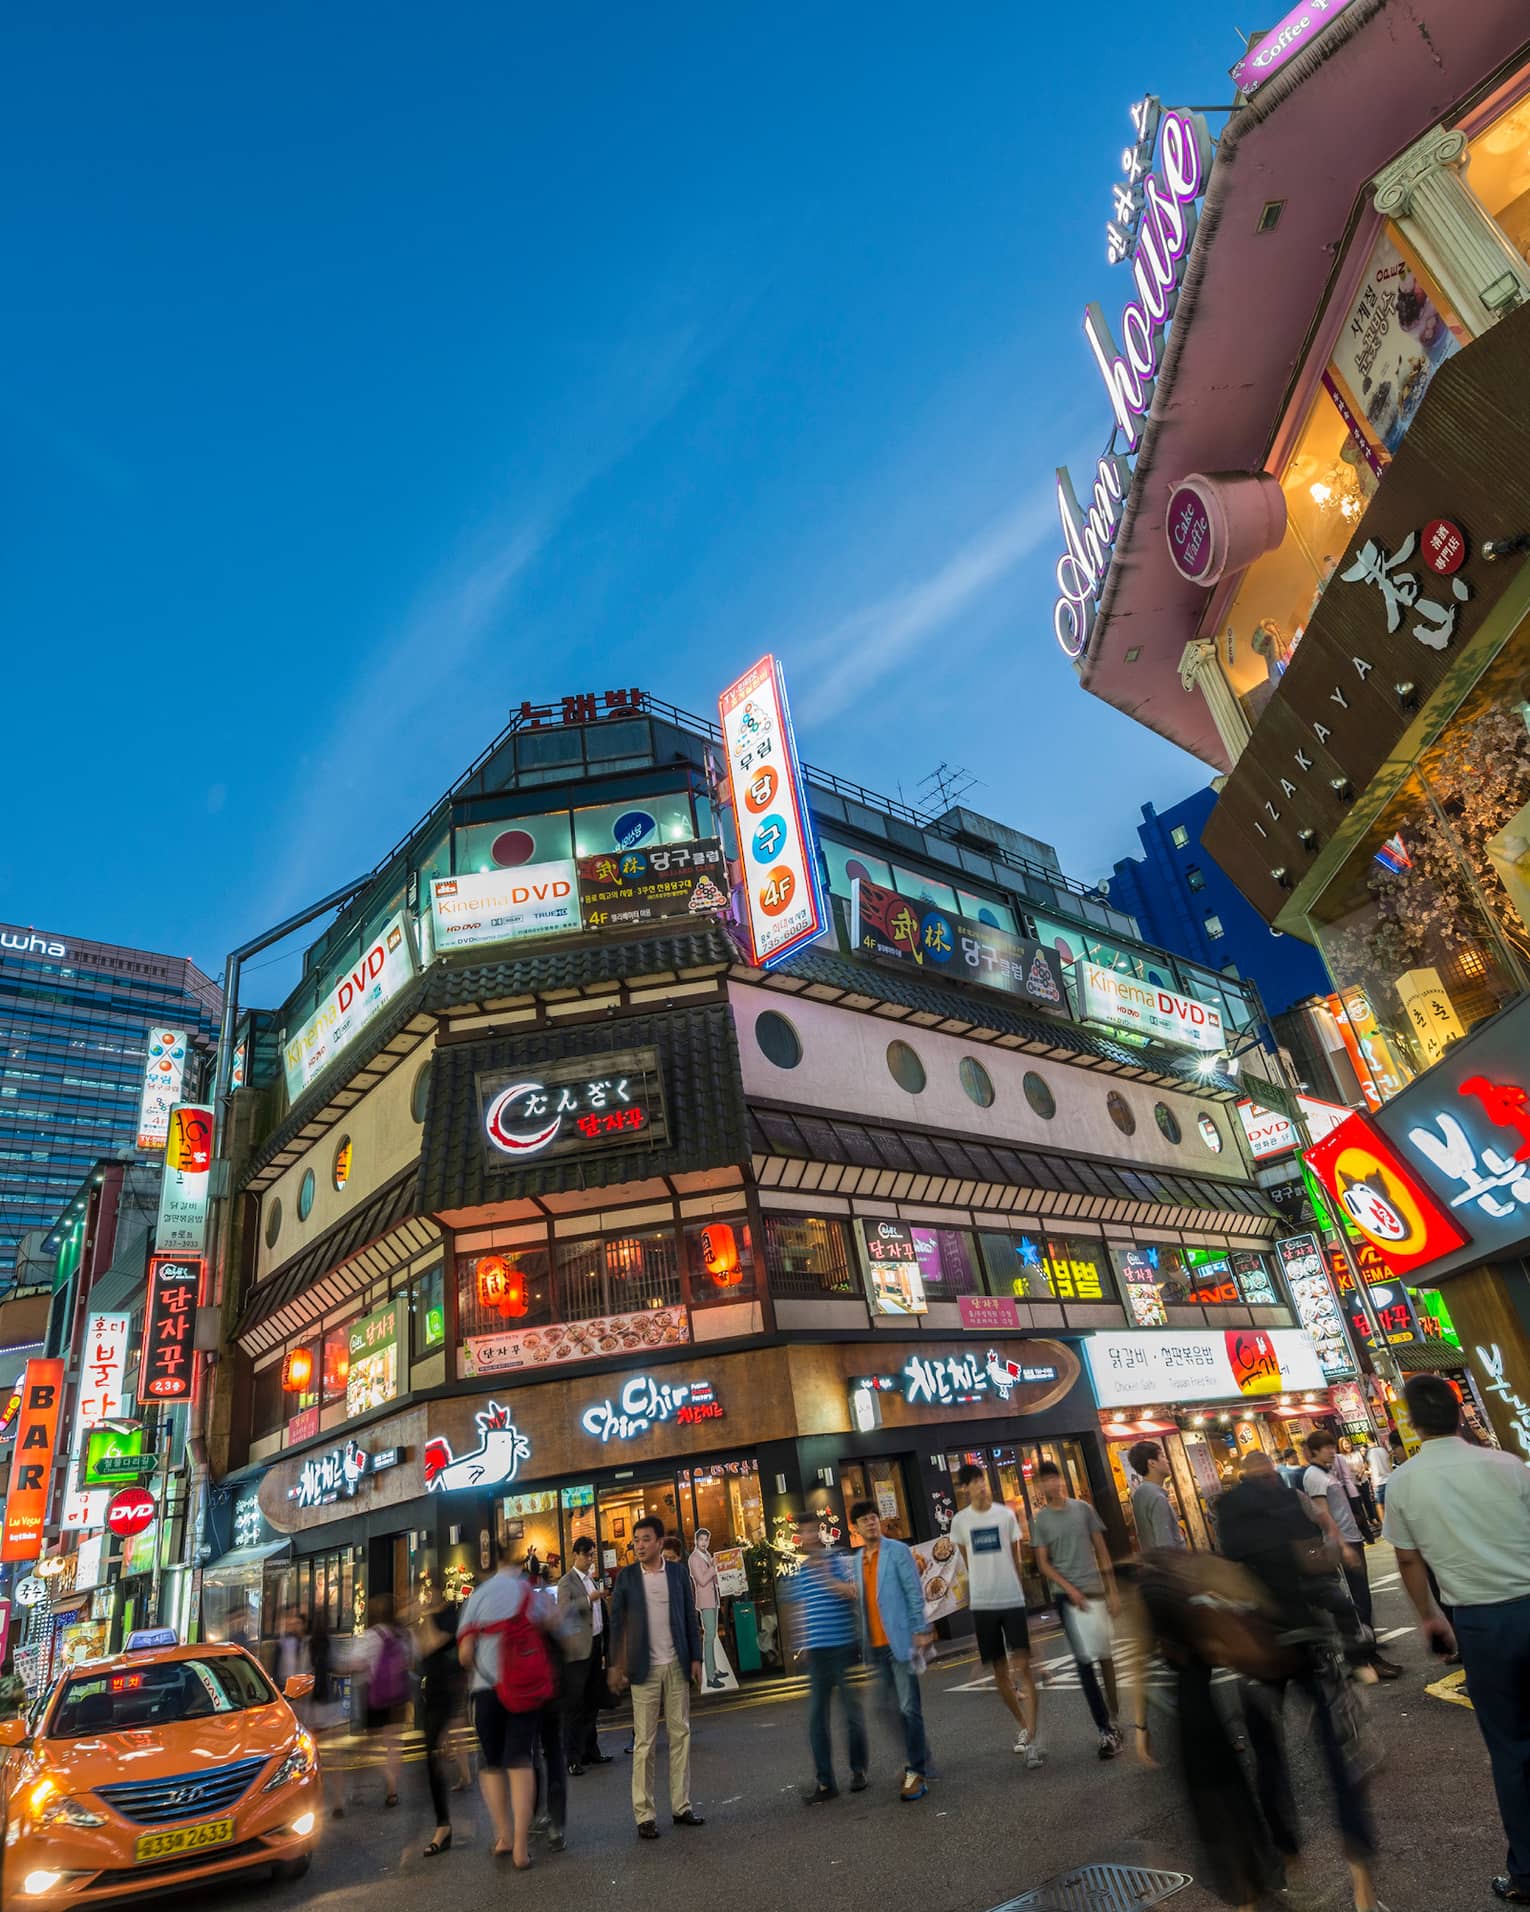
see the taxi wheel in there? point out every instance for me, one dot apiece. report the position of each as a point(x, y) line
point(288, 1870)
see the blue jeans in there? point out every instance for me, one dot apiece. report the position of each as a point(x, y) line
point(899, 1686)
point(828, 1669)
point(1495, 1650)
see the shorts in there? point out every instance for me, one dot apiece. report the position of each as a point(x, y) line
point(380, 1716)
point(1001, 1631)
point(504, 1738)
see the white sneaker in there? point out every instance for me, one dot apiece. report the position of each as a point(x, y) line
point(1022, 1744)
point(1034, 1756)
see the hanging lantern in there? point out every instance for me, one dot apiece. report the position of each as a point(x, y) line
point(514, 1303)
point(297, 1371)
point(501, 1286)
point(719, 1255)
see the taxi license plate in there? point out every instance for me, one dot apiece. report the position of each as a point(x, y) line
point(164, 1845)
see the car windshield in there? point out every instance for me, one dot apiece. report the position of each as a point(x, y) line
point(119, 1699)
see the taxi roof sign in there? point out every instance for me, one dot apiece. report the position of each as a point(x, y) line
point(147, 1638)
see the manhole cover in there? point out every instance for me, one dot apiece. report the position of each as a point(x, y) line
point(1100, 1888)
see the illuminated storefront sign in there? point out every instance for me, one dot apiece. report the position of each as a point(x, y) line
point(1290, 35)
point(1130, 1369)
point(496, 1459)
point(895, 1281)
point(26, 1500)
point(376, 1349)
point(783, 889)
point(1513, 1406)
point(1390, 1205)
point(325, 1478)
point(1059, 1268)
point(103, 1373)
point(164, 1071)
point(384, 968)
point(574, 1108)
point(1123, 1002)
point(946, 1380)
point(504, 906)
point(623, 888)
point(1394, 1315)
point(895, 928)
point(183, 1187)
point(1155, 222)
point(1140, 1276)
point(1301, 1262)
point(1271, 1134)
point(84, 1509)
point(114, 1455)
point(167, 1364)
point(645, 1403)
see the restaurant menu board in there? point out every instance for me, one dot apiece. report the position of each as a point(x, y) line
point(732, 1579)
point(895, 1280)
point(594, 1340)
point(624, 888)
point(376, 1350)
point(1301, 1263)
point(1254, 1279)
point(1138, 1269)
point(894, 928)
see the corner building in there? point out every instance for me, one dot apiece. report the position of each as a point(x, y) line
point(582, 1220)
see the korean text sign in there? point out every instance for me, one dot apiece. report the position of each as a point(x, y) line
point(183, 1187)
point(898, 928)
point(1386, 1200)
point(583, 1106)
point(376, 1353)
point(103, 1373)
point(383, 968)
point(893, 1273)
point(167, 1366)
point(26, 1500)
point(625, 887)
point(778, 849)
point(1133, 1369)
point(163, 1072)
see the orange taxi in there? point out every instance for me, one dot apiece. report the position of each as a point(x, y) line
point(166, 1766)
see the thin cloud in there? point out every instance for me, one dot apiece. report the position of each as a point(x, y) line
point(881, 637)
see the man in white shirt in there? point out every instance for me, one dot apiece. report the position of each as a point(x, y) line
point(1324, 1487)
point(1465, 1512)
point(989, 1537)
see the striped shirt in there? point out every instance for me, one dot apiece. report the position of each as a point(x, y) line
point(826, 1618)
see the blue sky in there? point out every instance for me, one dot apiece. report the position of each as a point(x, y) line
point(372, 368)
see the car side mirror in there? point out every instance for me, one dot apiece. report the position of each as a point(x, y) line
point(13, 1732)
point(299, 1686)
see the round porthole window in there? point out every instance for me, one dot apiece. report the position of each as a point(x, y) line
point(1211, 1135)
point(1168, 1123)
point(778, 1039)
point(977, 1084)
point(305, 1196)
point(419, 1095)
point(905, 1067)
point(273, 1222)
point(342, 1171)
point(1040, 1097)
point(1121, 1112)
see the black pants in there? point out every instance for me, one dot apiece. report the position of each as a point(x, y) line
point(1358, 1580)
point(583, 1682)
point(552, 1774)
point(1263, 1717)
point(1495, 1649)
point(436, 1731)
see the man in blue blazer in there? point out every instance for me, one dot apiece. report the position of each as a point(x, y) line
point(893, 1630)
point(655, 1645)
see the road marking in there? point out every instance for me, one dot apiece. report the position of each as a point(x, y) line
point(1452, 1688)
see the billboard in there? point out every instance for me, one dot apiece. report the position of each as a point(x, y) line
point(503, 906)
point(784, 901)
point(1148, 1009)
point(383, 969)
point(623, 888)
point(167, 1364)
point(164, 1070)
point(1387, 1201)
point(103, 1374)
point(183, 1187)
point(1132, 1369)
point(896, 928)
point(26, 1500)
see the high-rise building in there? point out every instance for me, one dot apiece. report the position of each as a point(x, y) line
point(75, 1024)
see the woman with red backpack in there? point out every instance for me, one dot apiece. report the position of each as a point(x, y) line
point(501, 1641)
point(387, 1658)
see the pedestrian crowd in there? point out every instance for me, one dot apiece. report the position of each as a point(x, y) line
point(1216, 1645)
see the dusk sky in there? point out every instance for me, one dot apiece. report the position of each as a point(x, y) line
point(373, 368)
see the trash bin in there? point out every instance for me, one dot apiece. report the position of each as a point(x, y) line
point(746, 1637)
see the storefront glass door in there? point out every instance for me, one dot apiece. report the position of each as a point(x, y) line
point(619, 1508)
point(880, 1481)
point(1012, 1475)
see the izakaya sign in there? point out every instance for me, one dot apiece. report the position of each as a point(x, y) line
point(164, 1070)
point(384, 968)
point(645, 1403)
point(495, 1460)
point(167, 1364)
point(1110, 996)
point(1154, 225)
point(1131, 1370)
point(183, 1187)
point(504, 906)
point(784, 900)
point(573, 1108)
point(1390, 1205)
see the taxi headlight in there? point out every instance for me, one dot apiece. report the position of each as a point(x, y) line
point(64, 1811)
point(35, 1884)
point(302, 1759)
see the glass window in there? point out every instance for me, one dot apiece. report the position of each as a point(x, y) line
point(273, 1221)
point(1500, 173)
point(728, 1503)
point(427, 1311)
point(983, 909)
point(644, 823)
point(778, 1039)
point(808, 1257)
point(335, 1362)
point(629, 1274)
point(1061, 1268)
point(1120, 1111)
point(977, 1084)
point(419, 1095)
point(269, 1409)
point(947, 1261)
point(926, 889)
point(341, 1168)
point(845, 864)
point(513, 842)
point(623, 738)
point(1253, 1276)
point(535, 749)
point(1039, 1095)
point(881, 1482)
point(719, 1259)
point(1214, 927)
point(1210, 1134)
point(1168, 1123)
point(504, 1289)
point(1195, 877)
point(305, 1195)
point(905, 1067)
point(1179, 836)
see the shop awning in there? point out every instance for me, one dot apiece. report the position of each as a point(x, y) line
point(71, 1604)
point(241, 1559)
point(1431, 1357)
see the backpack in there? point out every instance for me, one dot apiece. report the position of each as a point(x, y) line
point(390, 1680)
point(525, 1683)
point(1218, 1610)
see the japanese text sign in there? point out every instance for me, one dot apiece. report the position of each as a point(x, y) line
point(26, 1500)
point(784, 900)
point(365, 988)
point(578, 1107)
point(504, 906)
point(163, 1072)
point(167, 1365)
point(1386, 1201)
point(621, 888)
point(1131, 1369)
point(183, 1187)
point(894, 928)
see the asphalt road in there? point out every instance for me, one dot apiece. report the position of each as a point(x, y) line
point(988, 1831)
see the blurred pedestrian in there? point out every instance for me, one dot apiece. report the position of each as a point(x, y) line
point(582, 1634)
point(443, 1681)
point(1291, 1469)
point(386, 1657)
point(325, 1711)
point(821, 1596)
point(1153, 1512)
point(511, 1680)
point(1069, 1538)
point(1324, 1487)
point(1378, 1464)
point(894, 1635)
point(988, 1535)
point(1464, 1511)
point(655, 1642)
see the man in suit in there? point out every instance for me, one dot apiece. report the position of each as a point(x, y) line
point(656, 1650)
point(893, 1629)
point(582, 1635)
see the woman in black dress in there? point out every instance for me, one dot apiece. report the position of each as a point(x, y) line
point(441, 1682)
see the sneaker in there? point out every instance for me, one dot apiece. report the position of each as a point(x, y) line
point(1110, 1743)
point(1023, 1740)
point(555, 1839)
point(820, 1795)
point(857, 1782)
point(913, 1787)
point(1034, 1756)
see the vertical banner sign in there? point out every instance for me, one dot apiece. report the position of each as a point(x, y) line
point(167, 1366)
point(163, 1072)
point(183, 1187)
point(777, 847)
point(103, 1373)
point(26, 1501)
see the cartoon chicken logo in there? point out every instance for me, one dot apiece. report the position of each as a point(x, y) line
point(497, 1458)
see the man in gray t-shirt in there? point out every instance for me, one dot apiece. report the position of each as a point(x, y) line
point(1152, 1511)
point(1324, 1488)
point(1069, 1537)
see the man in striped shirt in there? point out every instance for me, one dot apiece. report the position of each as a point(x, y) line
point(823, 1598)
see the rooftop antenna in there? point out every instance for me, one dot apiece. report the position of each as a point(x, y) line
point(946, 785)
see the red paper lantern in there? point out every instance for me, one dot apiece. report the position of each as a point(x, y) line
point(501, 1286)
point(719, 1255)
point(297, 1371)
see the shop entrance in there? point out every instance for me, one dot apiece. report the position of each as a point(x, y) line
point(620, 1508)
point(1012, 1475)
point(880, 1481)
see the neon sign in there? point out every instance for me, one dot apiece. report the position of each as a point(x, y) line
point(496, 1459)
point(612, 1101)
point(645, 1403)
point(327, 1477)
